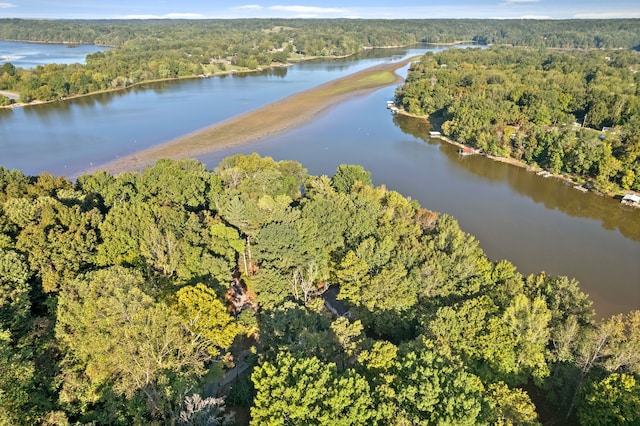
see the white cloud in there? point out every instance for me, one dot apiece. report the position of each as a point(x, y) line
point(536, 17)
point(248, 7)
point(308, 10)
point(184, 16)
point(167, 16)
point(608, 15)
point(523, 17)
point(6, 5)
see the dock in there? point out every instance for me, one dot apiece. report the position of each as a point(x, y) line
point(631, 200)
point(466, 150)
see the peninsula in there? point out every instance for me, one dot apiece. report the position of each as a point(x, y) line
point(270, 119)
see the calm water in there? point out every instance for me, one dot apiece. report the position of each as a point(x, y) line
point(66, 138)
point(30, 55)
point(538, 224)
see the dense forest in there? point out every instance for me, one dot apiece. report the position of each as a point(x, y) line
point(161, 49)
point(572, 112)
point(132, 299)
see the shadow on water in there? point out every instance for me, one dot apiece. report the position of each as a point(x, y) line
point(159, 88)
point(267, 72)
point(89, 101)
point(553, 193)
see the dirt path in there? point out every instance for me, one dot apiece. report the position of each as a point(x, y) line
point(265, 121)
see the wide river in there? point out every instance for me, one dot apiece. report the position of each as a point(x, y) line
point(538, 224)
point(30, 55)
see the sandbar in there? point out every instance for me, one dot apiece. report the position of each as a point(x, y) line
point(265, 121)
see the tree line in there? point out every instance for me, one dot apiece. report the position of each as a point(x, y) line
point(573, 112)
point(161, 49)
point(123, 296)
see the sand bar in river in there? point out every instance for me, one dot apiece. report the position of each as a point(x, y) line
point(271, 119)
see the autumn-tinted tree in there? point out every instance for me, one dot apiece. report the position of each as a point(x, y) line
point(120, 343)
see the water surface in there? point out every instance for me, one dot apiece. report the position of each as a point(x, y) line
point(538, 224)
point(30, 55)
point(68, 137)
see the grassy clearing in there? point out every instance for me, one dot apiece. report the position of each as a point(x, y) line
point(265, 121)
point(367, 81)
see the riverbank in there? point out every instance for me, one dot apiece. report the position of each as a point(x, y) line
point(271, 119)
point(15, 96)
point(291, 61)
point(570, 180)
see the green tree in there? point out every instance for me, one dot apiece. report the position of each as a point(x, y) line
point(119, 342)
point(60, 241)
point(296, 391)
point(347, 175)
point(181, 182)
point(612, 400)
point(207, 317)
point(511, 406)
point(15, 303)
point(16, 384)
point(434, 389)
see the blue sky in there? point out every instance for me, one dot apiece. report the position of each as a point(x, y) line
point(424, 9)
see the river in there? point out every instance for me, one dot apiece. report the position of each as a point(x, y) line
point(538, 224)
point(30, 55)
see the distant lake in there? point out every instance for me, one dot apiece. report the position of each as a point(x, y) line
point(30, 55)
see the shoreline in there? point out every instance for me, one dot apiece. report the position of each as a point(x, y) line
point(141, 83)
point(518, 163)
point(273, 118)
point(289, 63)
point(64, 43)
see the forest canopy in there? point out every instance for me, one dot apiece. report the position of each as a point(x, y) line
point(162, 49)
point(126, 298)
point(572, 112)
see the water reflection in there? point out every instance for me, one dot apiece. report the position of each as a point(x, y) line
point(502, 205)
point(418, 128)
point(538, 224)
point(553, 193)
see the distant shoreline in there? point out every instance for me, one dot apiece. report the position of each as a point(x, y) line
point(72, 43)
point(291, 62)
point(117, 89)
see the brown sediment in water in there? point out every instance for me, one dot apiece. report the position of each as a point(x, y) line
point(271, 119)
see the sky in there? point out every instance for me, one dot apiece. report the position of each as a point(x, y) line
point(356, 9)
